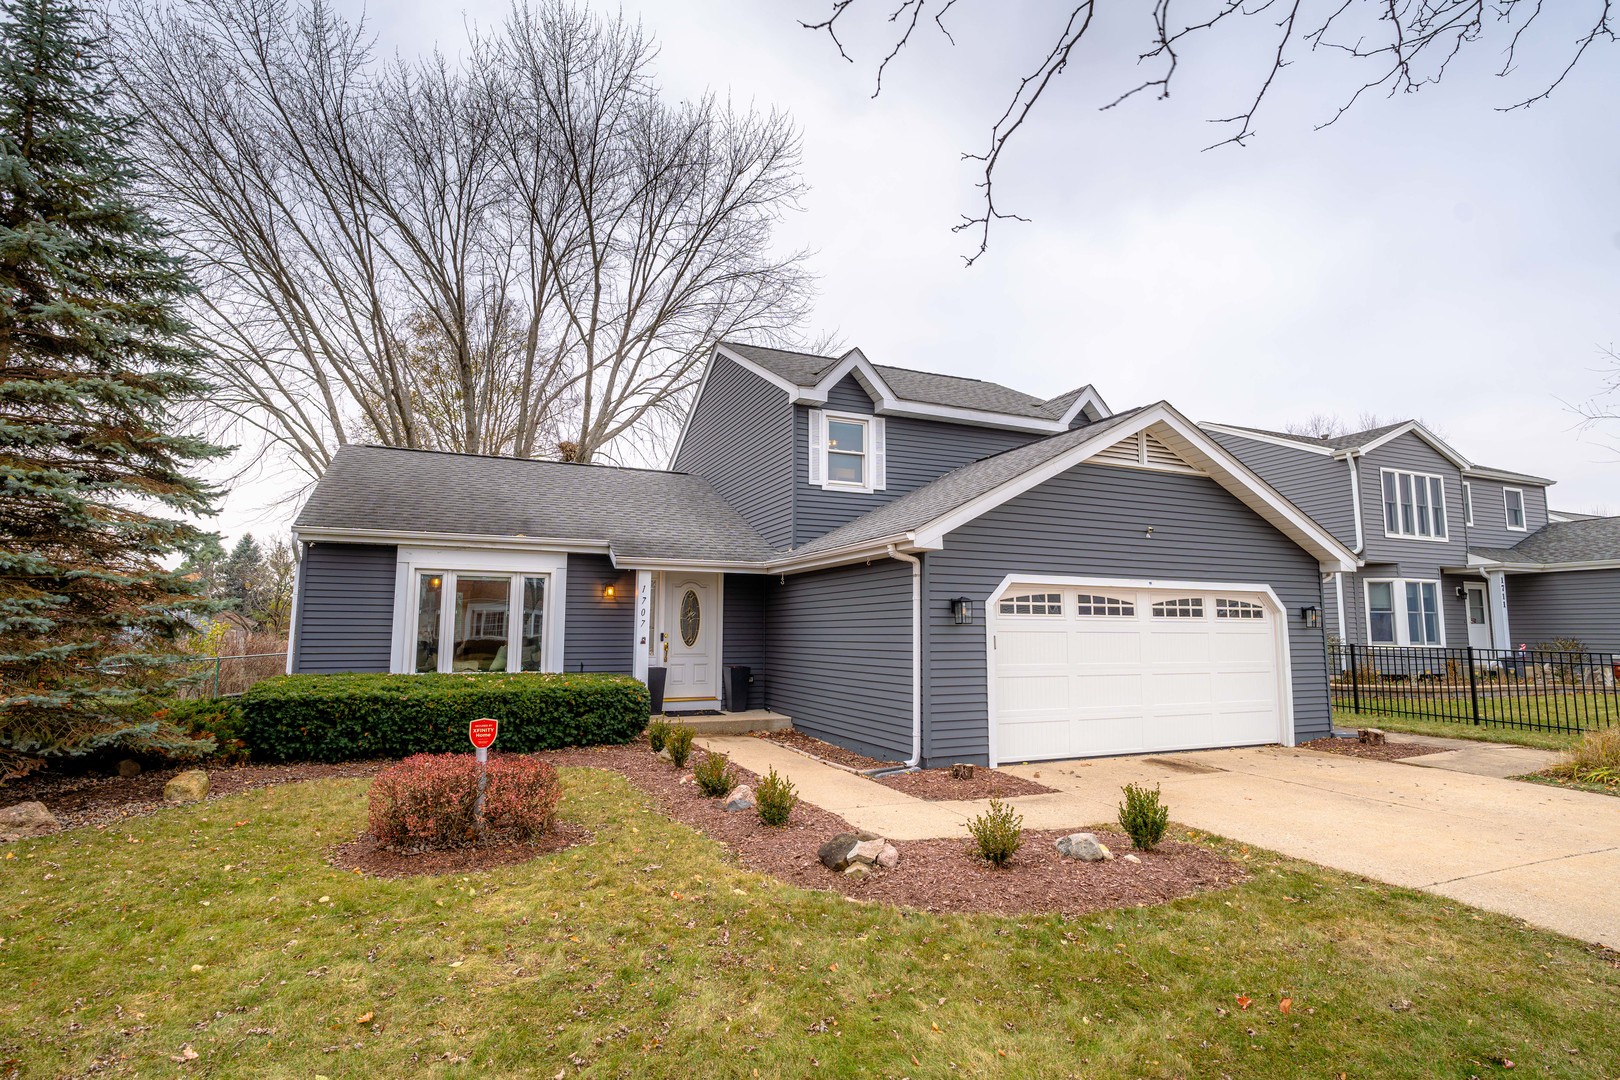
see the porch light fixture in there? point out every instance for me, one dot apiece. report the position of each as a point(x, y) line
point(1462, 592)
point(962, 611)
point(607, 592)
point(1312, 616)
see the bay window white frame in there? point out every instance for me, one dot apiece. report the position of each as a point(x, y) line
point(1402, 611)
point(412, 562)
point(1468, 503)
point(1418, 495)
point(872, 453)
point(1507, 510)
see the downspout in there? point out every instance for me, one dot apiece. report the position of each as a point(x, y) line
point(916, 653)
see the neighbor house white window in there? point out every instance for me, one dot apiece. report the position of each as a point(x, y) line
point(846, 451)
point(1513, 499)
point(1414, 505)
point(1468, 503)
point(1401, 612)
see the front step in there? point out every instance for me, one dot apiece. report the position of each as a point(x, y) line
point(737, 723)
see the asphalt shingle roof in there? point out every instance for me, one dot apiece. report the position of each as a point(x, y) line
point(1335, 442)
point(957, 488)
point(1591, 540)
point(928, 387)
point(642, 513)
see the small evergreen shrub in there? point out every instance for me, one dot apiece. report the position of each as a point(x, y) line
point(657, 733)
point(205, 718)
point(428, 801)
point(1143, 817)
point(714, 776)
point(998, 832)
point(775, 799)
point(347, 717)
point(679, 744)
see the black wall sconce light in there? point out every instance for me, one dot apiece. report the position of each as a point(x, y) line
point(1312, 616)
point(962, 611)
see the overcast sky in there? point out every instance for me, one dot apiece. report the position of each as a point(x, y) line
point(1426, 256)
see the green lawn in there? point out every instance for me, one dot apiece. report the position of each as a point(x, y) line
point(1459, 729)
point(647, 952)
point(1585, 710)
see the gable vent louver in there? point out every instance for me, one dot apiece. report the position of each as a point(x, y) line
point(1144, 450)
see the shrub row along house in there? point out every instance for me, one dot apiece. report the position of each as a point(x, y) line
point(916, 566)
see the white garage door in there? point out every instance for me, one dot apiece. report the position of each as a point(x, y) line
point(1083, 671)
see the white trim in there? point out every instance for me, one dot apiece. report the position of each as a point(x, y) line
point(1344, 629)
point(642, 633)
point(1468, 504)
point(1285, 700)
point(416, 538)
point(763, 372)
point(1511, 477)
point(1524, 511)
point(411, 561)
point(718, 615)
point(1185, 438)
point(916, 653)
point(1428, 500)
point(1496, 597)
point(1414, 428)
point(819, 465)
point(1274, 440)
point(1354, 462)
point(1402, 614)
point(292, 611)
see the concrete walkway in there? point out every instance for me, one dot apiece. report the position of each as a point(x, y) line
point(1500, 760)
point(1543, 854)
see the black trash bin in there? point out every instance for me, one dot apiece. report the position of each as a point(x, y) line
point(656, 677)
point(738, 677)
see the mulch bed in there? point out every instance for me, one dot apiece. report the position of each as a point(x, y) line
point(79, 799)
point(1390, 751)
point(365, 855)
point(933, 875)
point(826, 751)
point(937, 785)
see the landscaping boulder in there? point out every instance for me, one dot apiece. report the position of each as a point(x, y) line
point(857, 871)
point(741, 798)
point(187, 787)
point(129, 767)
point(25, 820)
point(1130, 858)
point(1371, 736)
point(838, 852)
point(1083, 846)
point(889, 857)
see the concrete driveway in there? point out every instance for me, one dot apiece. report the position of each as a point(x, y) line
point(1543, 854)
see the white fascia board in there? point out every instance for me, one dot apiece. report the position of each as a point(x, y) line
point(1415, 428)
point(877, 548)
point(1088, 396)
point(1509, 477)
point(312, 535)
point(763, 372)
point(1556, 568)
point(885, 402)
point(709, 565)
point(1274, 440)
point(1187, 439)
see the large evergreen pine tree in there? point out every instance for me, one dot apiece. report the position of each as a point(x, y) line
point(93, 362)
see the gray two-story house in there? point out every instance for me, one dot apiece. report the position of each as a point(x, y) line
point(920, 567)
point(1452, 553)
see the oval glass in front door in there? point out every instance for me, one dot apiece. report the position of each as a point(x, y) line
point(691, 618)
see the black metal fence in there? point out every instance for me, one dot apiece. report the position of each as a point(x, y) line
point(1536, 689)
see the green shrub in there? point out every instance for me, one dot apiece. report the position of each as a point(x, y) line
point(714, 776)
point(219, 719)
point(998, 832)
point(679, 744)
point(1142, 817)
point(345, 717)
point(657, 734)
point(775, 799)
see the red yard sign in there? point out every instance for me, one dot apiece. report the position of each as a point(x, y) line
point(482, 732)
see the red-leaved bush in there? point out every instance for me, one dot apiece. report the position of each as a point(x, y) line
point(428, 800)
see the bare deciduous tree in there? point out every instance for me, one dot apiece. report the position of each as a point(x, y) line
point(496, 256)
point(1601, 412)
point(1398, 46)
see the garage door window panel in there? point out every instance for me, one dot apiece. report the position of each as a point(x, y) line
point(1095, 605)
point(1187, 607)
point(1238, 609)
point(1046, 604)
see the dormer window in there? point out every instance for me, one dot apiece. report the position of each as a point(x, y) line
point(1514, 500)
point(1414, 505)
point(846, 451)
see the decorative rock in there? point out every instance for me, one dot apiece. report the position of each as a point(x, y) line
point(857, 871)
point(961, 771)
point(835, 853)
point(129, 767)
point(1128, 857)
point(1371, 736)
point(741, 798)
point(889, 857)
point(187, 787)
point(25, 820)
point(867, 851)
point(1083, 846)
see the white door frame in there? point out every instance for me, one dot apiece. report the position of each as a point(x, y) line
point(1285, 676)
point(718, 621)
point(1485, 605)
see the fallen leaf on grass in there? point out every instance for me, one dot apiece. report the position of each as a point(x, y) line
point(365, 1018)
point(186, 1054)
point(1244, 1002)
point(1285, 1006)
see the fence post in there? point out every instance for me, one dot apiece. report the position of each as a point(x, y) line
point(217, 662)
point(1355, 682)
point(1473, 687)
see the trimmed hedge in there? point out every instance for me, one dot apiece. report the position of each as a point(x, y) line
point(346, 717)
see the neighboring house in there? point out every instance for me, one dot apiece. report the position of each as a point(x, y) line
point(1453, 554)
point(916, 566)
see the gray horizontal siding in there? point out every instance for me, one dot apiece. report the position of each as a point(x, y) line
point(345, 608)
point(598, 632)
point(1581, 604)
point(743, 631)
point(740, 439)
point(1415, 558)
point(1092, 521)
point(1490, 513)
point(1315, 483)
point(915, 452)
point(838, 647)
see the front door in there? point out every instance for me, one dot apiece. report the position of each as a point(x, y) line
point(689, 635)
point(1479, 618)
